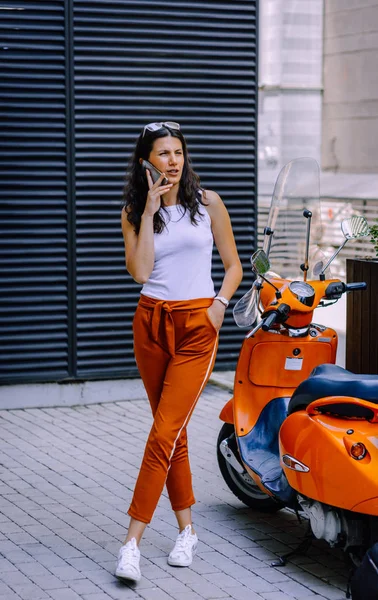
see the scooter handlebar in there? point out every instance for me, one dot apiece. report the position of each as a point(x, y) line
point(351, 287)
point(270, 320)
point(337, 288)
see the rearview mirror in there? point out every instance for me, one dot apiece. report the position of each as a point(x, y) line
point(352, 228)
point(355, 227)
point(260, 262)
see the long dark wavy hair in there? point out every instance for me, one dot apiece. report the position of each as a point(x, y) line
point(190, 193)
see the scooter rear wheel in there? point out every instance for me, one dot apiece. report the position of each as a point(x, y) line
point(241, 484)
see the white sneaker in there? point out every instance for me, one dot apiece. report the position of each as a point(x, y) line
point(128, 561)
point(185, 548)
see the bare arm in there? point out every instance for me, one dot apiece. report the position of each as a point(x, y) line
point(139, 249)
point(225, 243)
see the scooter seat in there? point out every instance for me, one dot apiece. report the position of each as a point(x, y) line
point(331, 380)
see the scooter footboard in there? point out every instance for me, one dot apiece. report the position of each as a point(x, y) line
point(259, 449)
point(332, 457)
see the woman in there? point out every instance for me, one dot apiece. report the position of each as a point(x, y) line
point(168, 232)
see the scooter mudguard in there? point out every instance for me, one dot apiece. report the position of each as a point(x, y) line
point(227, 412)
point(316, 455)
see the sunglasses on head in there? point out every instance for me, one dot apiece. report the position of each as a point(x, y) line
point(157, 126)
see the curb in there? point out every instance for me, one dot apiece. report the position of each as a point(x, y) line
point(222, 385)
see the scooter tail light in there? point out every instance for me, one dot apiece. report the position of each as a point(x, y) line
point(295, 465)
point(358, 451)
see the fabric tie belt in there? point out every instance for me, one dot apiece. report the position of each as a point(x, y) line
point(162, 313)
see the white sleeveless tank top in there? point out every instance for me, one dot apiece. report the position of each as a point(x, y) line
point(182, 267)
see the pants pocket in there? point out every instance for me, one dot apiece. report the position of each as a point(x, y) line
point(210, 321)
point(142, 317)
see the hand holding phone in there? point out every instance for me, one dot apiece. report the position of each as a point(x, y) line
point(155, 173)
point(154, 195)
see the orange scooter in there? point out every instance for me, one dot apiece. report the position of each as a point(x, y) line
point(301, 432)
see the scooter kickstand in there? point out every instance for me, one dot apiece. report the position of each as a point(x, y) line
point(348, 592)
point(301, 549)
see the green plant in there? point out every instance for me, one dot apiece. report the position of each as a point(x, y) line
point(374, 237)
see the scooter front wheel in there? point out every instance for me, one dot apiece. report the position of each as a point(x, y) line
point(242, 484)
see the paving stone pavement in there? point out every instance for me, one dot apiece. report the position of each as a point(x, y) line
point(66, 480)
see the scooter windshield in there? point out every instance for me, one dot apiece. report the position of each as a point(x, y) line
point(296, 191)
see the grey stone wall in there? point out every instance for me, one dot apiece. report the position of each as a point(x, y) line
point(350, 104)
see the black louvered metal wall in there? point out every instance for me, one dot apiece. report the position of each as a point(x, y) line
point(34, 203)
point(123, 64)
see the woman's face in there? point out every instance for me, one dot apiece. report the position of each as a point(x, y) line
point(168, 156)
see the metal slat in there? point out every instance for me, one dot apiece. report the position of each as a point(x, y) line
point(119, 61)
point(33, 246)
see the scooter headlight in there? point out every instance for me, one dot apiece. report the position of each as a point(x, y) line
point(304, 292)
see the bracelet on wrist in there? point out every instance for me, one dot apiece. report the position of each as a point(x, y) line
point(223, 300)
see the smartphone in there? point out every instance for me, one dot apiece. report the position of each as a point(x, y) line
point(155, 173)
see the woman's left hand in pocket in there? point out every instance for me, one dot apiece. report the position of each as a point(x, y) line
point(216, 314)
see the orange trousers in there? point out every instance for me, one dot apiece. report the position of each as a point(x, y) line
point(175, 345)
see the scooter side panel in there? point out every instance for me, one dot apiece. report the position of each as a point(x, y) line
point(322, 443)
point(293, 362)
point(251, 398)
point(369, 507)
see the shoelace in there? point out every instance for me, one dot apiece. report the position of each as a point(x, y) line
point(182, 539)
point(130, 552)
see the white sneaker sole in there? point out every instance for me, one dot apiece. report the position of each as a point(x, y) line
point(175, 563)
point(127, 576)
